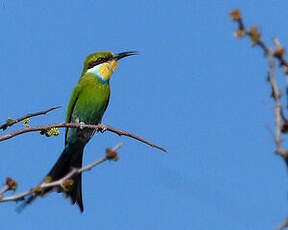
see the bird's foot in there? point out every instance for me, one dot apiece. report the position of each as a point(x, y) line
point(82, 125)
point(102, 128)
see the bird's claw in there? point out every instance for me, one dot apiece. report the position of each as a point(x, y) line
point(102, 128)
point(81, 125)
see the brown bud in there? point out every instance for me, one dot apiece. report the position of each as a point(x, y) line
point(38, 189)
point(284, 128)
point(111, 154)
point(67, 184)
point(235, 15)
point(279, 51)
point(12, 184)
point(239, 33)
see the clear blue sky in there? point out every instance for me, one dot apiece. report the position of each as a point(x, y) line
point(194, 88)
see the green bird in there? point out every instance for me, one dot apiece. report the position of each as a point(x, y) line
point(87, 105)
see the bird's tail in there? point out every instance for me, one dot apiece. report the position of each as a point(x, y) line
point(71, 157)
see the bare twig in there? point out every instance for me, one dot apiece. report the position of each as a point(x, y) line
point(281, 123)
point(8, 124)
point(35, 191)
point(9, 185)
point(124, 133)
point(3, 190)
point(283, 225)
point(100, 127)
point(255, 37)
point(276, 94)
point(280, 120)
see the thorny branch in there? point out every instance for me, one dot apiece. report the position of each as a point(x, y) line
point(66, 181)
point(281, 123)
point(63, 183)
point(101, 127)
point(13, 122)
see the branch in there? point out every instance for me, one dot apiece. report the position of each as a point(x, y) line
point(9, 185)
point(10, 123)
point(63, 182)
point(101, 127)
point(276, 94)
point(281, 123)
point(283, 225)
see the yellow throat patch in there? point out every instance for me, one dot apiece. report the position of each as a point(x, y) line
point(106, 69)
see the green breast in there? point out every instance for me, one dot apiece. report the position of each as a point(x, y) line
point(90, 104)
point(92, 100)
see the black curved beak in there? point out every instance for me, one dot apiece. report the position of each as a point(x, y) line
point(124, 54)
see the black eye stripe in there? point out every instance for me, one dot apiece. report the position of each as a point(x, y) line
point(97, 62)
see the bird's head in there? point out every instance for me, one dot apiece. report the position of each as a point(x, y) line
point(103, 64)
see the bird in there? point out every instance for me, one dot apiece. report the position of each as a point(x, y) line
point(87, 105)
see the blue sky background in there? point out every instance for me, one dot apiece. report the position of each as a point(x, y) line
point(193, 89)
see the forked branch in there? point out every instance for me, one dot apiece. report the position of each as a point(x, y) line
point(63, 183)
point(281, 124)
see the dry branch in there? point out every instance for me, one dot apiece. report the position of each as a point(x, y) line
point(101, 127)
point(281, 123)
point(283, 225)
point(280, 120)
point(35, 191)
point(8, 124)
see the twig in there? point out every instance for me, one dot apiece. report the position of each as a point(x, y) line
point(255, 37)
point(276, 94)
point(100, 127)
point(124, 133)
point(3, 190)
point(279, 117)
point(281, 124)
point(8, 124)
point(110, 155)
point(283, 225)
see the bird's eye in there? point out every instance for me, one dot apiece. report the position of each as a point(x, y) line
point(100, 59)
point(97, 62)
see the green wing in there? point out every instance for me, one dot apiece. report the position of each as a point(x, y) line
point(72, 103)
